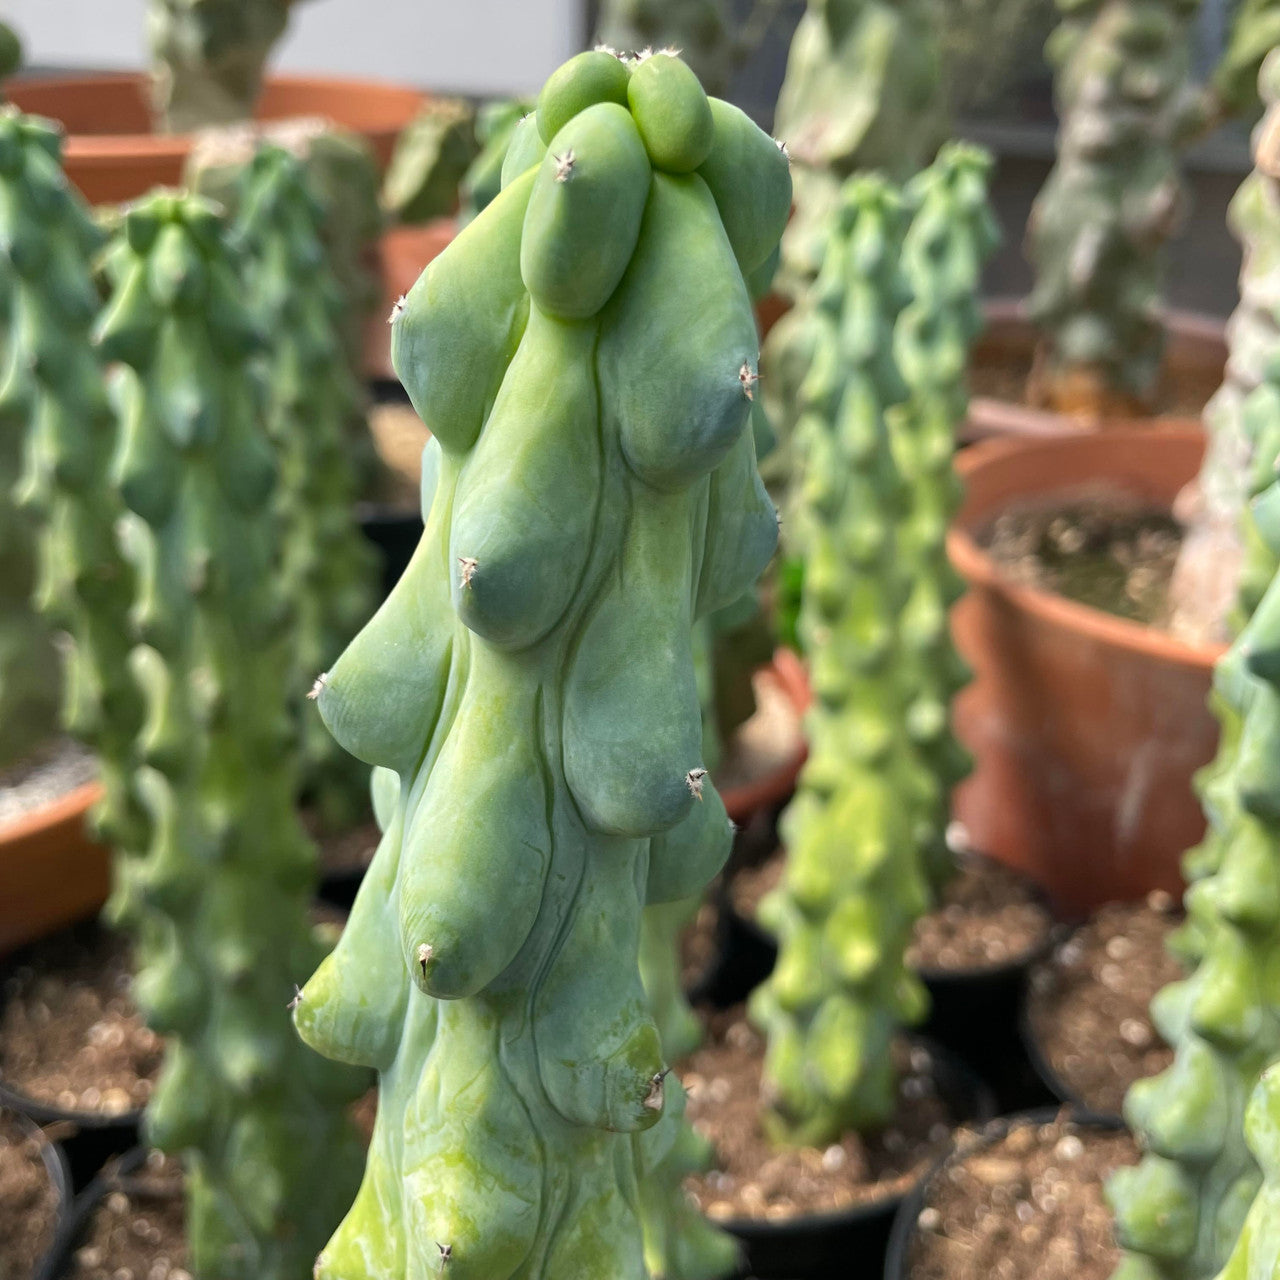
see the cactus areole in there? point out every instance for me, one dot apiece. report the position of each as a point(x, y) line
point(582, 354)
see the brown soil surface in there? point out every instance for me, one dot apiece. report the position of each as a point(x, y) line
point(70, 1035)
point(752, 884)
point(767, 742)
point(1089, 1001)
point(989, 916)
point(28, 1202)
point(755, 1179)
point(399, 436)
point(1101, 549)
point(1029, 1207)
point(137, 1232)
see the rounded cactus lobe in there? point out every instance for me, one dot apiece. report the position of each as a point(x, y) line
point(691, 854)
point(632, 722)
point(677, 336)
point(479, 834)
point(461, 321)
point(672, 113)
point(524, 150)
point(749, 176)
point(584, 213)
point(518, 563)
point(583, 81)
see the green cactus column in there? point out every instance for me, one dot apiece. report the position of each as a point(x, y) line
point(1099, 226)
point(1257, 1254)
point(1180, 1211)
point(328, 569)
point(854, 884)
point(951, 235)
point(1255, 32)
point(583, 355)
point(52, 387)
point(208, 58)
point(219, 898)
point(10, 51)
point(431, 159)
point(495, 126)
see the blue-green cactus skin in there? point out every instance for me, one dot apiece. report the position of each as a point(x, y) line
point(581, 354)
point(219, 896)
point(1257, 1252)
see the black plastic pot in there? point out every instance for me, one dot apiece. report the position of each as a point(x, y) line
point(395, 533)
point(824, 1246)
point(55, 1164)
point(82, 1208)
point(897, 1257)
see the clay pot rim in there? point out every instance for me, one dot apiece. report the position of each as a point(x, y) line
point(65, 808)
point(979, 569)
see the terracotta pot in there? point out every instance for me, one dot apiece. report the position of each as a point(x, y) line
point(1195, 357)
point(1086, 729)
point(51, 873)
point(403, 253)
point(112, 155)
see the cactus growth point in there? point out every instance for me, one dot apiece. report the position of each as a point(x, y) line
point(854, 884)
point(52, 388)
point(951, 234)
point(1100, 224)
point(582, 354)
point(431, 160)
point(328, 566)
point(219, 898)
point(208, 58)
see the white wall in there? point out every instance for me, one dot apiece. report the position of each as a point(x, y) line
point(471, 46)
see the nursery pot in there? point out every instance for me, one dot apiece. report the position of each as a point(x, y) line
point(1085, 728)
point(1195, 354)
point(51, 872)
point(56, 1170)
point(820, 1246)
point(897, 1258)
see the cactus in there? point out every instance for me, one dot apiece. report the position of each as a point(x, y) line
point(1210, 568)
point(52, 388)
point(1100, 224)
point(328, 567)
point(219, 897)
point(431, 159)
point(208, 58)
point(495, 126)
point(1257, 1253)
point(864, 90)
point(10, 51)
point(854, 884)
point(584, 354)
point(952, 233)
point(1255, 32)
point(1181, 1209)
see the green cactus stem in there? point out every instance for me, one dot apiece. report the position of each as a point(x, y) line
point(1179, 1211)
point(30, 681)
point(854, 883)
point(1098, 230)
point(328, 567)
point(1255, 31)
point(1213, 564)
point(219, 898)
point(951, 235)
point(864, 90)
point(431, 159)
point(52, 388)
point(495, 126)
point(1257, 1253)
point(584, 355)
point(208, 58)
point(10, 51)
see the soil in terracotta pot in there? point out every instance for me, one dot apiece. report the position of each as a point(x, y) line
point(755, 1179)
point(1088, 1009)
point(398, 437)
point(51, 771)
point(28, 1202)
point(1029, 1207)
point(1101, 548)
point(70, 1035)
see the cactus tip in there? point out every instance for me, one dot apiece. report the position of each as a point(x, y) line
point(321, 680)
point(396, 311)
point(297, 998)
point(467, 566)
point(670, 51)
point(425, 952)
point(446, 1252)
point(564, 165)
point(748, 377)
point(694, 780)
point(610, 50)
point(782, 146)
point(654, 1099)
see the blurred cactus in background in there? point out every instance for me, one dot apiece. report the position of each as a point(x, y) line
point(495, 125)
point(10, 52)
point(1255, 31)
point(1100, 225)
point(219, 897)
point(431, 159)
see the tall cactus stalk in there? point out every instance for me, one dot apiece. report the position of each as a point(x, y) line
point(208, 58)
point(219, 897)
point(1257, 1253)
point(952, 233)
point(431, 158)
point(312, 396)
point(854, 884)
point(53, 388)
point(1255, 31)
point(584, 354)
point(10, 52)
point(1099, 227)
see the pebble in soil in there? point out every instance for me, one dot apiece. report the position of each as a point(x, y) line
point(755, 1179)
point(1028, 1207)
point(70, 1034)
point(1089, 1002)
point(28, 1201)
